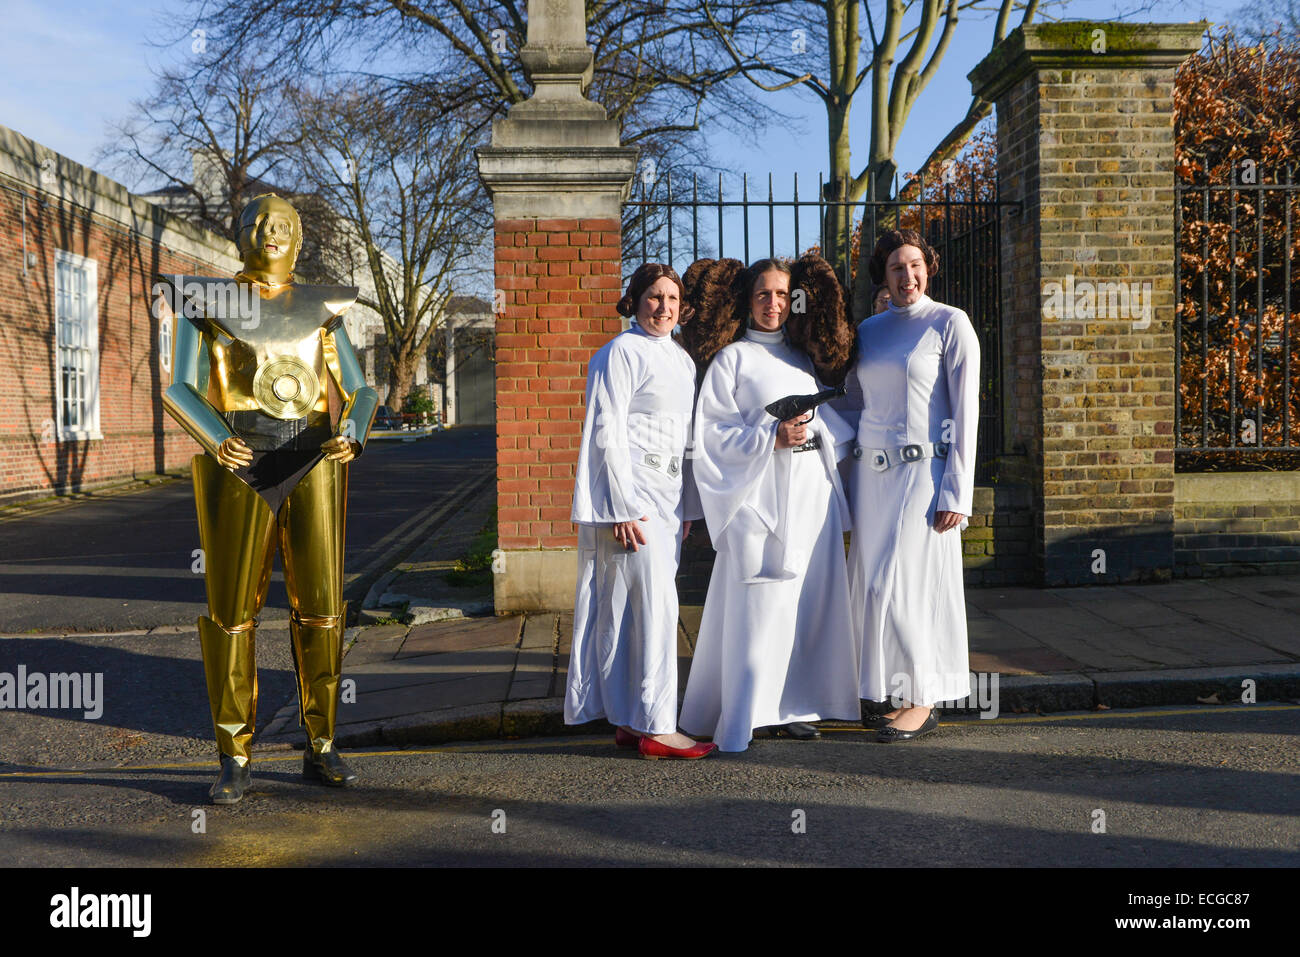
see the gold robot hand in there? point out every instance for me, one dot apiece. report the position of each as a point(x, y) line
point(234, 453)
point(340, 449)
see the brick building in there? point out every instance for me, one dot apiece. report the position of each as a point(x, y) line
point(82, 356)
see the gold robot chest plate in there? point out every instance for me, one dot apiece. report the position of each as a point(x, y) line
point(269, 352)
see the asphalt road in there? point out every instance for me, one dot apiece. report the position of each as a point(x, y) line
point(125, 561)
point(1215, 787)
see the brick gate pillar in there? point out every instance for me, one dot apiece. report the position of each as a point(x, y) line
point(1086, 144)
point(557, 176)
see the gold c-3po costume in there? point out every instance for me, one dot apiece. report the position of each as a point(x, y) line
point(252, 369)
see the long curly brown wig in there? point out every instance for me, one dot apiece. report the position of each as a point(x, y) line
point(821, 327)
point(720, 291)
point(711, 291)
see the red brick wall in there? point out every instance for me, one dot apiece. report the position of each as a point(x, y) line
point(561, 283)
point(139, 438)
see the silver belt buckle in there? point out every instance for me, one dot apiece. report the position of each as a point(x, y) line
point(652, 460)
point(674, 466)
point(941, 450)
point(879, 460)
point(910, 453)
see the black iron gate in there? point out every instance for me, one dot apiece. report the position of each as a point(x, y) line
point(1237, 337)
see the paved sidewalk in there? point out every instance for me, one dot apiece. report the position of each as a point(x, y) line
point(1067, 649)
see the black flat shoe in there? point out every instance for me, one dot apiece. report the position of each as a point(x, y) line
point(328, 768)
point(874, 721)
point(889, 733)
point(799, 730)
point(231, 784)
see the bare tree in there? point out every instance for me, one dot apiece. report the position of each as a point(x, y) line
point(897, 62)
point(402, 183)
point(658, 69)
point(212, 135)
point(1267, 21)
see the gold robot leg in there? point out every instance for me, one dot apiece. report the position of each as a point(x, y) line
point(311, 527)
point(230, 666)
point(318, 661)
point(236, 532)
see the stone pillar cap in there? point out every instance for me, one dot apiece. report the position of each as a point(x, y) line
point(1069, 45)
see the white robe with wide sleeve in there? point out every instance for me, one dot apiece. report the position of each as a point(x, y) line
point(918, 369)
point(632, 464)
point(775, 642)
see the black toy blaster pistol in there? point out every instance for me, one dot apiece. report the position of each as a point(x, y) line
point(795, 405)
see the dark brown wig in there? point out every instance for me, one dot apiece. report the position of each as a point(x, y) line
point(720, 291)
point(646, 275)
point(711, 289)
point(819, 324)
point(895, 239)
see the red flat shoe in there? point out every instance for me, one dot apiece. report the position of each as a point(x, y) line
point(653, 750)
point(625, 739)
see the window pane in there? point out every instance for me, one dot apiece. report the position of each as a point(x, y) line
point(77, 360)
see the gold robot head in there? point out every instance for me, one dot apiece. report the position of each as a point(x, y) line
point(269, 238)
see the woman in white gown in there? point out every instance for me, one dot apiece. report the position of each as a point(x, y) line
point(633, 502)
point(775, 646)
point(914, 476)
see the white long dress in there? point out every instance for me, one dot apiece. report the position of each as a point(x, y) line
point(775, 642)
point(918, 372)
point(632, 463)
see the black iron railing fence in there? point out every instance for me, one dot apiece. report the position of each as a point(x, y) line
point(1237, 341)
point(680, 226)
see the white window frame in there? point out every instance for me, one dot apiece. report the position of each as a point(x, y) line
point(89, 349)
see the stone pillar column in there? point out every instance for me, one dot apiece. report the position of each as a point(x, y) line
point(1086, 144)
point(558, 177)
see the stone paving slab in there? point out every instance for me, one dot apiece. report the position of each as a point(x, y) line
point(472, 689)
point(1137, 612)
point(431, 669)
point(374, 651)
point(992, 635)
point(1205, 642)
point(459, 635)
point(1032, 661)
point(540, 631)
point(1054, 624)
point(690, 616)
point(1274, 628)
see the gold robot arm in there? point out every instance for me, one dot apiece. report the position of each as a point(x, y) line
point(361, 401)
point(185, 399)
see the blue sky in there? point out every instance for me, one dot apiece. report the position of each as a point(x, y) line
point(68, 68)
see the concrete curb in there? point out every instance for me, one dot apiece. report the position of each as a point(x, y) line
point(1136, 689)
point(1084, 691)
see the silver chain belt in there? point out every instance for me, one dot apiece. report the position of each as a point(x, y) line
point(882, 459)
point(672, 464)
